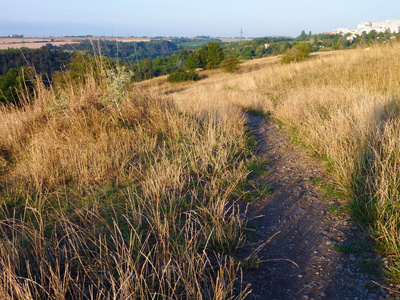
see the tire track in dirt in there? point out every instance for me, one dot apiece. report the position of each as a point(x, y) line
point(301, 261)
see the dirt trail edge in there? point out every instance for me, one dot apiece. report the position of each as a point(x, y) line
point(317, 252)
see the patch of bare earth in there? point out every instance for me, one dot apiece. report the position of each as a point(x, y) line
point(317, 252)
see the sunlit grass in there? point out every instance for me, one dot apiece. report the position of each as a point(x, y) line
point(114, 192)
point(344, 107)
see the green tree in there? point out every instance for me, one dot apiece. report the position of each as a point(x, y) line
point(159, 66)
point(316, 41)
point(303, 51)
point(146, 68)
point(8, 86)
point(78, 69)
point(261, 51)
point(363, 39)
point(284, 46)
point(342, 42)
point(202, 55)
point(335, 39)
point(179, 64)
point(215, 55)
point(182, 54)
point(372, 35)
point(387, 34)
point(181, 75)
point(298, 53)
point(16, 84)
point(302, 37)
point(192, 62)
point(231, 64)
point(210, 55)
point(247, 53)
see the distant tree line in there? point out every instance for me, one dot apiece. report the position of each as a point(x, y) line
point(127, 51)
point(145, 60)
point(160, 57)
point(208, 56)
point(257, 48)
point(326, 41)
point(194, 43)
point(135, 51)
point(44, 60)
point(19, 66)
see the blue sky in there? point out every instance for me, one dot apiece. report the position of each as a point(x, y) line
point(220, 18)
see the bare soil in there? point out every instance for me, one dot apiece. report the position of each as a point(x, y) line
point(317, 251)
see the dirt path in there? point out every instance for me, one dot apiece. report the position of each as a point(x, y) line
point(302, 261)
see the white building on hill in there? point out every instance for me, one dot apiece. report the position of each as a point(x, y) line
point(340, 31)
point(391, 25)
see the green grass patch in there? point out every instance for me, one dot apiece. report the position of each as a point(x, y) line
point(370, 266)
point(316, 180)
point(331, 191)
point(259, 166)
point(250, 231)
point(338, 210)
point(347, 248)
point(251, 263)
point(251, 142)
point(252, 190)
point(355, 246)
point(329, 162)
point(254, 186)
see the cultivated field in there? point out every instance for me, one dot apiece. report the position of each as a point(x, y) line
point(36, 43)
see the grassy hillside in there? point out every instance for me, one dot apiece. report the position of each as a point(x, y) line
point(114, 192)
point(345, 107)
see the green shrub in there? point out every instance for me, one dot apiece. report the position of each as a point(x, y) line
point(192, 62)
point(231, 64)
point(297, 53)
point(181, 75)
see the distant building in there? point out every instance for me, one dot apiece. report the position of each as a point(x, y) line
point(20, 36)
point(351, 38)
point(389, 25)
point(340, 31)
point(364, 26)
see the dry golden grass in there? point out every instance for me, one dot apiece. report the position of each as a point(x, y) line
point(116, 192)
point(344, 106)
point(112, 192)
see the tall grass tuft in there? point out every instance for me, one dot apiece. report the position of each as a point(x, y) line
point(109, 191)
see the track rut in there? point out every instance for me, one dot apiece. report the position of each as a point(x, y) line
point(317, 251)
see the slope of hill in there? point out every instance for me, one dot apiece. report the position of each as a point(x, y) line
point(109, 192)
point(343, 107)
point(117, 191)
